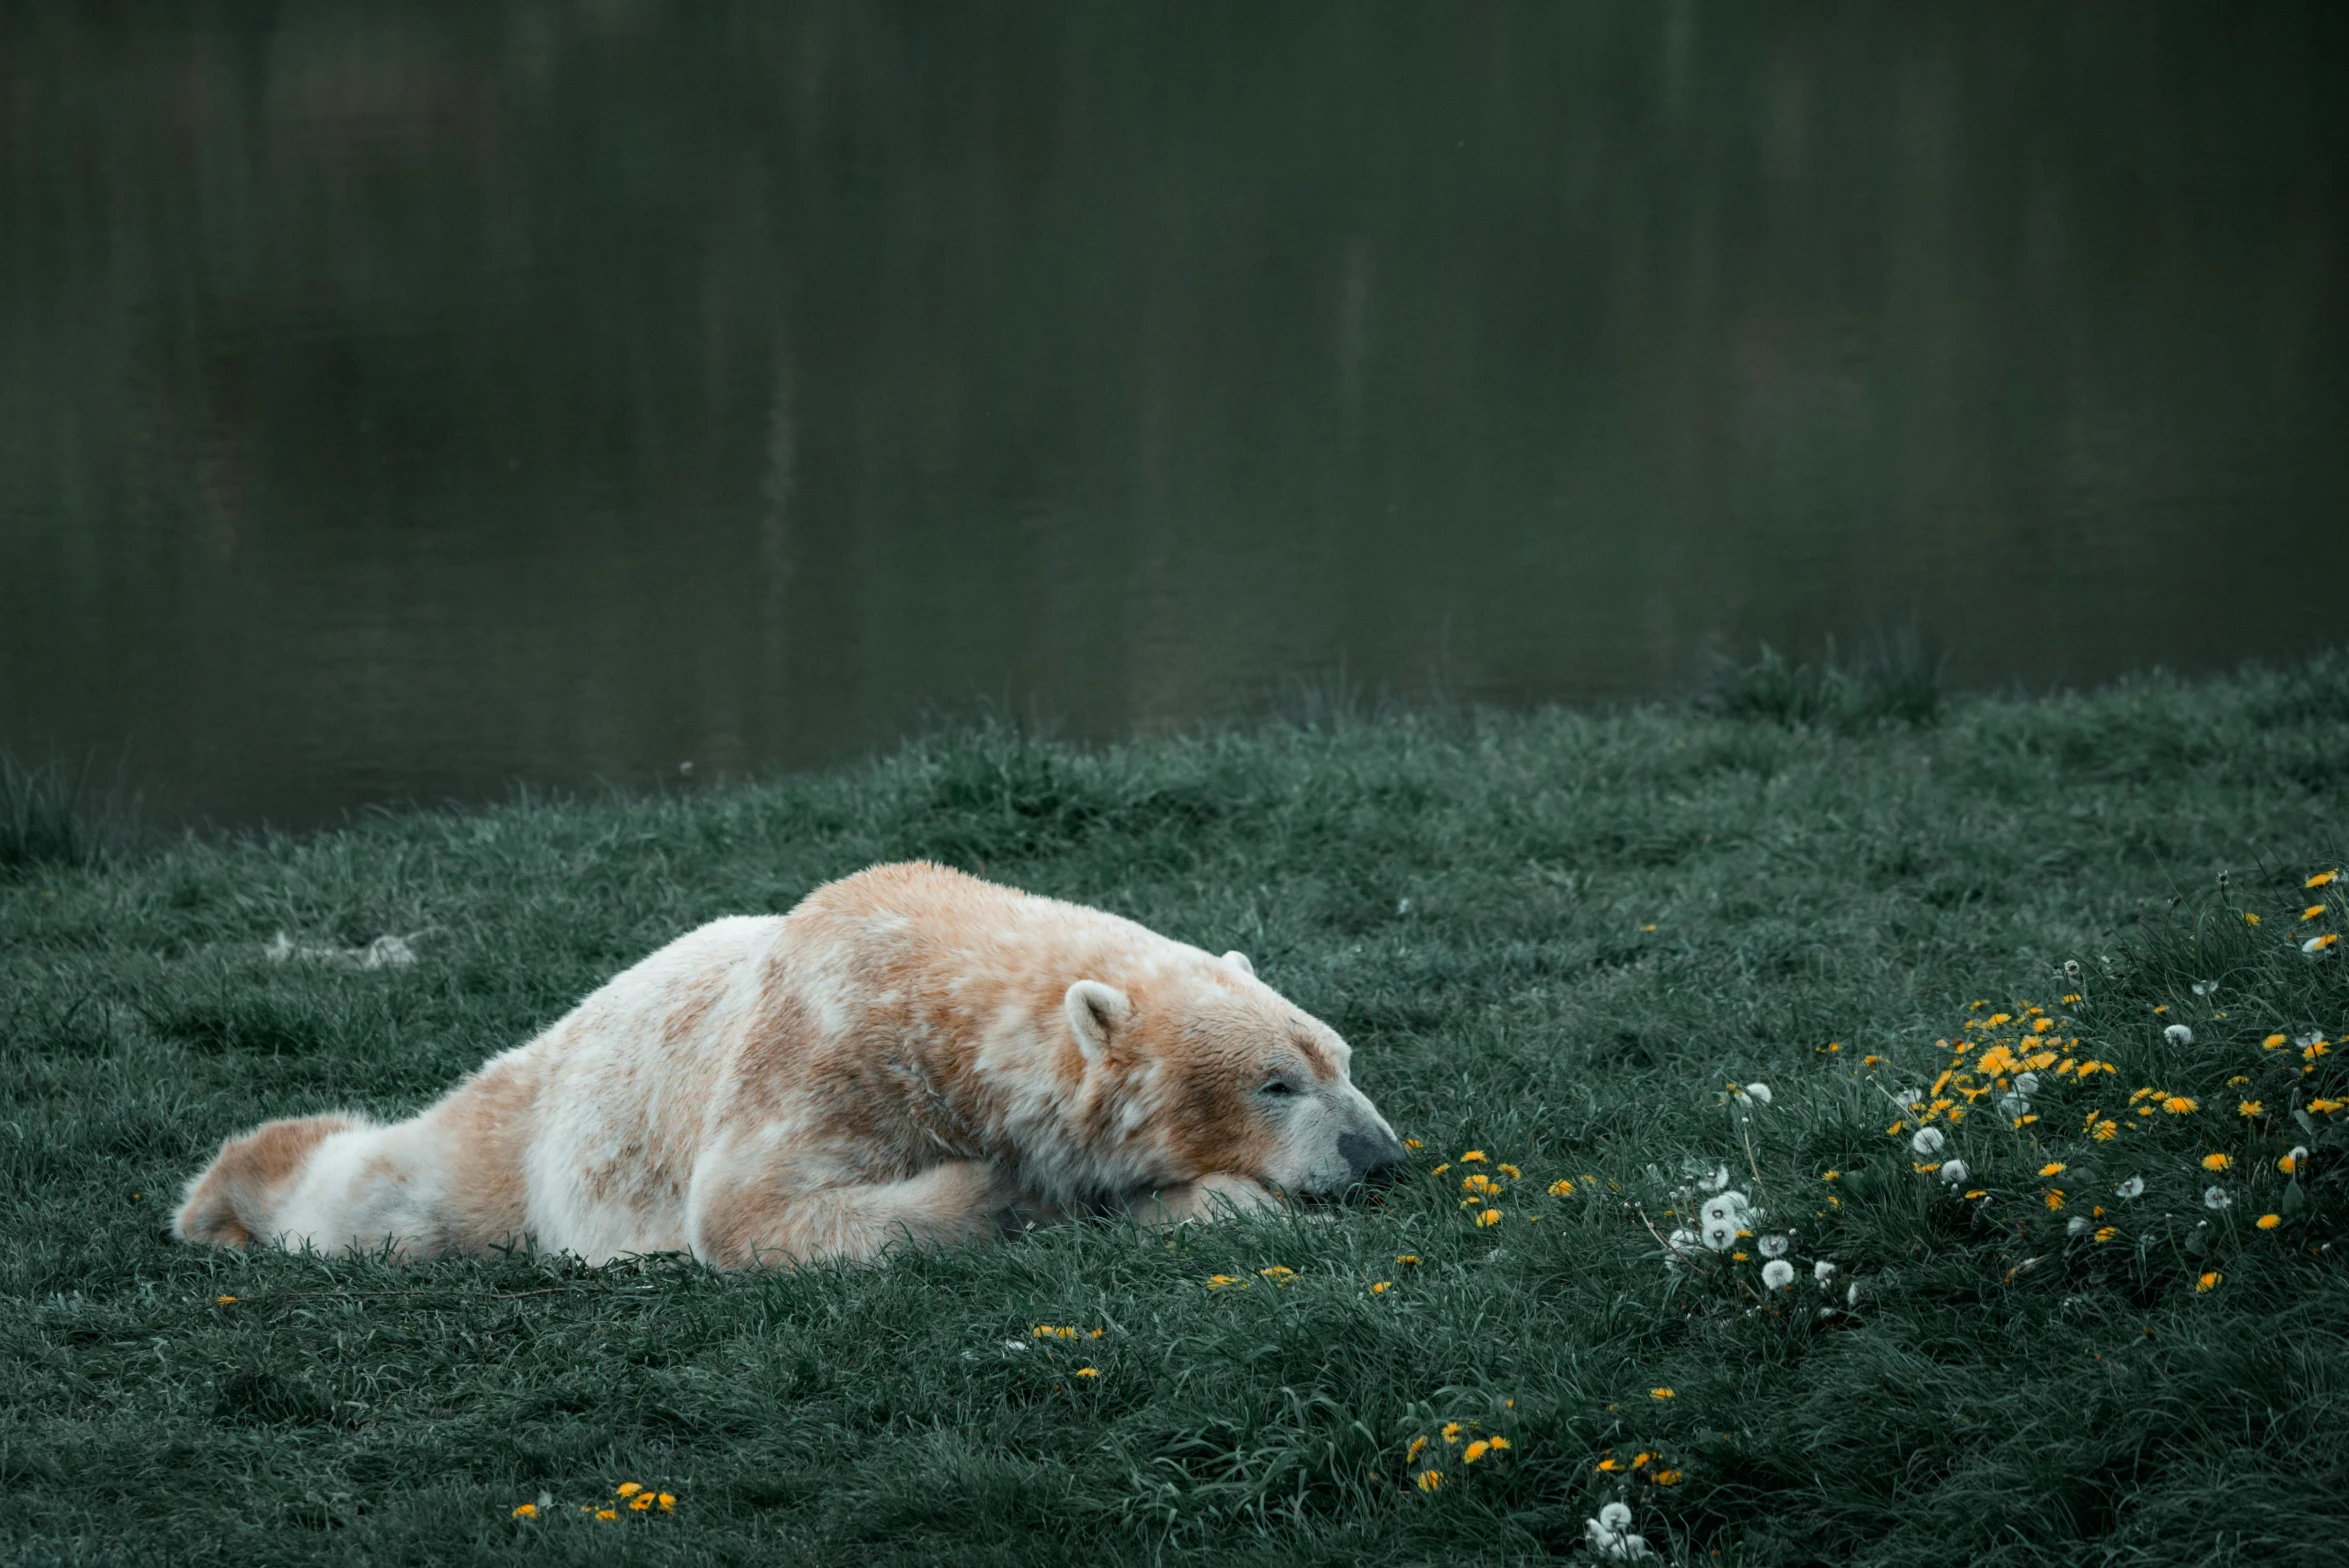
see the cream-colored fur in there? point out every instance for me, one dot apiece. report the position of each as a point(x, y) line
point(911, 1056)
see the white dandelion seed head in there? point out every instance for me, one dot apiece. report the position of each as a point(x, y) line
point(2072, 968)
point(1773, 1246)
point(1759, 1093)
point(1953, 1171)
point(1822, 1271)
point(1718, 1180)
point(2132, 1188)
point(2204, 987)
point(1777, 1273)
point(1927, 1142)
point(2013, 1106)
point(2078, 1226)
point(1851, 1297)
point(1720, 1235)
point(2304, 1041)
point(2299, 1152)
point(1729, 1208)
point(2178, 1034)
point(2217, 1198)
point(1615, 1517)
point(2026, 1083)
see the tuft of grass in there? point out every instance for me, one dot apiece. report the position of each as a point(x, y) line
point(1895, 678)
point(49, 817)
point(1555, 939)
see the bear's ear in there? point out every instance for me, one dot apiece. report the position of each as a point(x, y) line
point(1239, 960)
point(1094, 1011)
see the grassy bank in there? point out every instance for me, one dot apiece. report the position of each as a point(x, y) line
point(1553, 939)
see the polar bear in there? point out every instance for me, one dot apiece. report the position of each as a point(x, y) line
point(912, 1056)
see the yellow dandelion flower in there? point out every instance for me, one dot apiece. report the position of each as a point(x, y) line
point(2272, 1042)
point(1413, 1143)
point(2249, 918)
point(628, 1488)
point(2106, 1233)
point(1379, 1288)
point(1831, 1176)
point(1609, 1465)
point(1475, 1451)
point(2217, 1162)
point(2288, 1164)
point(1501, 1443)
point(1088, 1371)
point(1451, 1431)
point(2321, 879)
point(2163, 1008)
point(2209, 1281)
point(2317, 1048)
point(1871, 1061)
point(1418, 1446)
point(668, 1502)
point(1977, 1194)
point(2268, 1221)
point(1666, 1478)
point(2181, 1104)
point(2105, 1131)
point(1408, 1260)
point(1510, 1171)
point(1561, 1188)
point(224, 1301)
point(2312, 911)
point(1660, 1393)
point(1473, 1157)
point(1639, 1460)
point(1439, 1170)
point(1279, 1273)
point(1488, 1217)
point(2317, 944)
point(1999, 1018)
point(2053, 1168)
point(1429, 1480)
point(640, 1502)
point(526, 1511)
point(2055, 1197)
point(1479, 1183)
point(1225, 1281)
point(2324, 1107)
point(1095, 1333)
point(607, 1513)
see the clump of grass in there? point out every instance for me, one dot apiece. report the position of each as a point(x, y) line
point(50, 817)
point(1894, 678)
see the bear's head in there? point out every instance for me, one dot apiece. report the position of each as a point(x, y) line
point(1202, 1069)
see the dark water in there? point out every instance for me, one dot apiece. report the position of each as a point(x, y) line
point(396, 401)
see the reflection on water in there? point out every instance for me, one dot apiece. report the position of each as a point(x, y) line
point(393, 405)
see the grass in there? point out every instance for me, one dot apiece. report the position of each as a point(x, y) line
point(1555, 938)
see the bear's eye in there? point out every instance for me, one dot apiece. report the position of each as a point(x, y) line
point(1278, 1086)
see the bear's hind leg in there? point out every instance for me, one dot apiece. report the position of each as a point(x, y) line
point(748, 1224)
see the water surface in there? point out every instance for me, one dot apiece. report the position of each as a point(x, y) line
point(396, 402)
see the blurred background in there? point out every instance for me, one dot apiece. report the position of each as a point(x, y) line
point(397, 402)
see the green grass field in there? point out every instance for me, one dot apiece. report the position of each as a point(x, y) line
point(1553, 938)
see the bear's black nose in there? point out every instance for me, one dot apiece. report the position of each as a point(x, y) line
point(1374, 1158)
